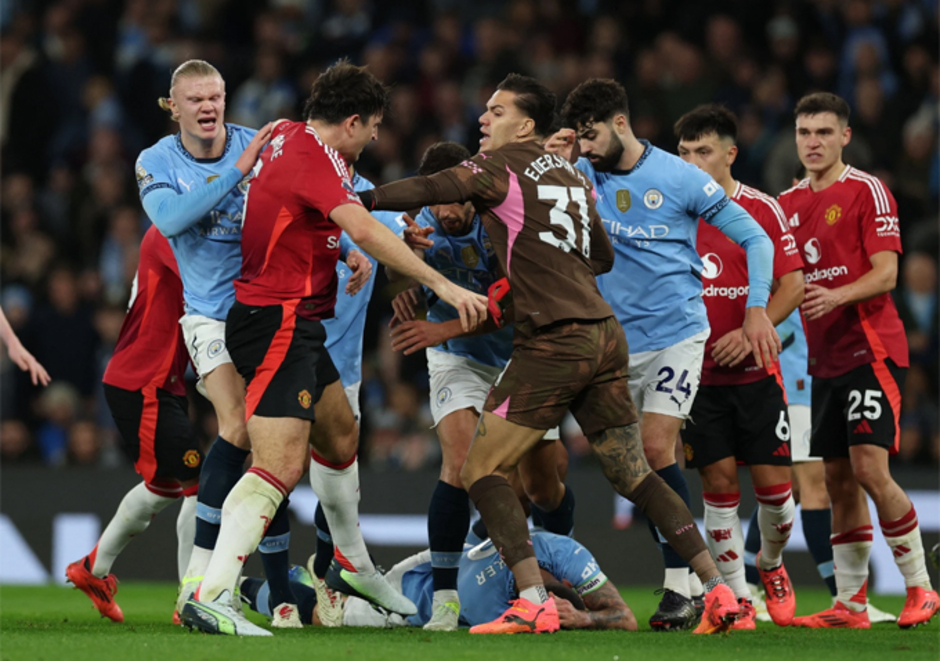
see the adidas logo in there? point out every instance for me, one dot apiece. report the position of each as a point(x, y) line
point(900, 550)
point(727, 557)
point(782, 451)
point(862, 428)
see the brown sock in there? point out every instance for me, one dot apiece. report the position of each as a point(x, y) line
point(672, 518)
point(505, 521)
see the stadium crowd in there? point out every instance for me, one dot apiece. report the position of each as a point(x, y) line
point(80, 79)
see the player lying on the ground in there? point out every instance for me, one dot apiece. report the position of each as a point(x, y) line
point(585, 598)
point(740, 412)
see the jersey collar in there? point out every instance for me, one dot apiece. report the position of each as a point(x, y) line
point(186, 154)
point(646, 152)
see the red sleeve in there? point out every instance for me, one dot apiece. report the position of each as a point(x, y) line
point(323, 182)
point(878, 216)
point(164, 253)
point(786, 254)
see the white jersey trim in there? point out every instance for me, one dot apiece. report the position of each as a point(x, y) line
point(754, 194)
point(875, 185)
point(802, 184)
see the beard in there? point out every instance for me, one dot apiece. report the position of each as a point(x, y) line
point(611, 157)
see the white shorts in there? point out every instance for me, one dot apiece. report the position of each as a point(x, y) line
point(801, 427)
point(359, 613)
point(459, 383)
point(352, 394)
point(205, 340)
point(666, 381)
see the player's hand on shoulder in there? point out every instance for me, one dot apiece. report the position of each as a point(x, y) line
point(248, 158)
point(404, 306)
point(760, 332)
point(819, 301)
point(562, 143)
point(412, 336)
point(361, 272)
point(731, 348)
point(470, 306)
point(416, 236)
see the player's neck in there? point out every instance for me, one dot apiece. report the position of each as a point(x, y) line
point(332, 135)
point(729, 183)
point(632, 151)
point(205, 148)
point(823, 179)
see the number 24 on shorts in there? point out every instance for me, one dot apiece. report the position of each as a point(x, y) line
point(682, 385)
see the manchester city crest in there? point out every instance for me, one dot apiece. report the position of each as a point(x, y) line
point(653, 199)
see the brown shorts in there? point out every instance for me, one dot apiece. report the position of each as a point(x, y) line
point(579, 366)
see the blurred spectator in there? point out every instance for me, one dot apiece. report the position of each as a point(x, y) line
point(916, 299)
point(59, 406)
point(16, 443)
point(266, 96)
point(119, 254)
point(84, 444)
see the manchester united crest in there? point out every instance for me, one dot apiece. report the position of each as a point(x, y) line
point(305, 398)
point(833, 214)
point(689, 452)
point(192, 458)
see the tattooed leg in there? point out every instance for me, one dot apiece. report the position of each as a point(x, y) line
point(621, 453)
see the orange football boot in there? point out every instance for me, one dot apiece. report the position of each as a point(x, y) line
point(921, 605)
point(747, 616)
point(839, 616)
point(781, 600)
point(721, 610)
point(101, 591)
point(523, 616)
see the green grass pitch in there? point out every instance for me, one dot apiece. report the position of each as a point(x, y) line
point(60, 624)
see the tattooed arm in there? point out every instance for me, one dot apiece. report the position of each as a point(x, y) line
point(620, 450)
point(605, 610)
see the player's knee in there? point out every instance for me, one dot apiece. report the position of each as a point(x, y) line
point(342, 447)
point(874, 478)
point(720, 482)
point(659, 453)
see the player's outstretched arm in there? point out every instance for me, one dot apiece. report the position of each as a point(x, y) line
point(20, 356)
point(605, 610)
point(380, 242)
point(882, 278)
point(445, 187)
point(173, 213)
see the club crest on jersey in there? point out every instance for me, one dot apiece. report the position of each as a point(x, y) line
point(653, 199)
point(443, 395)
point(305, 398)
point(215, 348)
point(244, 183)
point(689, 452)
point(833, 214)
point(623, 200)
point(711, 266)
point(469, 256)
point(192, 458)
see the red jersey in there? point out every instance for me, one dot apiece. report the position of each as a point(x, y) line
point(150, 350)
point(839, 229)
point(289, 244)
point(725, 283)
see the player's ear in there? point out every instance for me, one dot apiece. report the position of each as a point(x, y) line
point(732, 154)
point(846, 135)
point(351, 124)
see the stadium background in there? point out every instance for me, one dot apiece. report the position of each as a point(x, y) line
point(78, 86)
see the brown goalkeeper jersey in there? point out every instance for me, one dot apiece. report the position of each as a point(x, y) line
point(539, 213)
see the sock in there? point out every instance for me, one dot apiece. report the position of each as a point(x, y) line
point(672, 475)
point(337, 487)
point(133, 515)
point(448, 522)
point(903, 536)
point(817, 527)
point(498, 505)
point(275, 557)
point(674, 521)
point(186, 531)
point(752, 546)
point(776, 510)
point(246, 514)
point(536, 594)
point(850, 552)
point(221, 469)
point(695, 584)
point(256, 593)
point(561, 519)
point(321, 563)
point(725, 539)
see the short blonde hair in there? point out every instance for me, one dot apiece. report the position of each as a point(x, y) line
point(188, 69)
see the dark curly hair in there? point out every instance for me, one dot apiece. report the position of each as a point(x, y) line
point(813, 104)
point(345, 90)
point(594, 100)
point(532, 98)
point(707, 119)
point(441, 156)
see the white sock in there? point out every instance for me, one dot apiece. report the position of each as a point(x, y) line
point(133, 515)
point(903, 536)
point(198, 562)
point(725, 539)
point(185, 534)
point(850, 553)
point(536, 594)
point(246, 513)
point(677, 580)
point(445, 596)
point(775, 514)
point(338, 491)
point(695, 585)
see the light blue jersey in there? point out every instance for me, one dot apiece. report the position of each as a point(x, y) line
point(470, 262)
point(794, 360)
point(651, 214)
point(197, 204)
point(344, 331)
point(486, 585)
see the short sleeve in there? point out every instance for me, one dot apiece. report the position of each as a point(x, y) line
point(786, 254)
point(324, 183)
point(151, 173)
point(878, 216)
point(704, 197)
point(578, 566)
